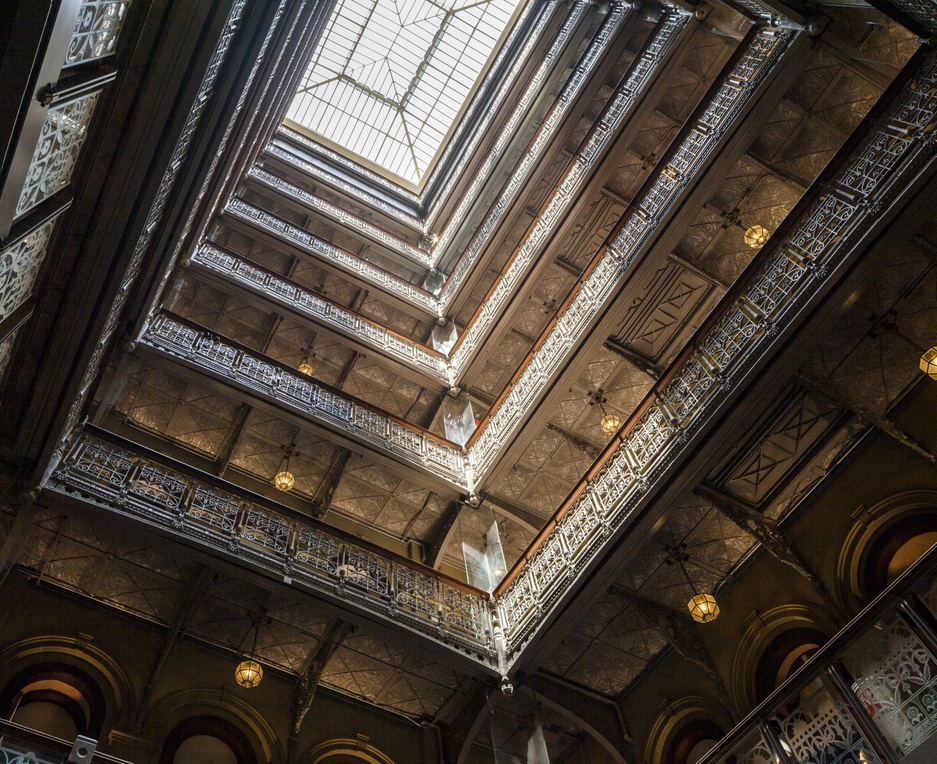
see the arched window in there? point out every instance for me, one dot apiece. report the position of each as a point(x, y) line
point(786, 653)
point(896, 549)
point(693, 741)
point(56, 699)
point(207, 740)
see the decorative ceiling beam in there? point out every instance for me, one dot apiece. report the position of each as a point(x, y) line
point(771, 537)
point(835, 393)
point(189, 603)
point(304, 692)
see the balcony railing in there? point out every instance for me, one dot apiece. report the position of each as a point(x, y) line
point(132, 480)
point(869, 695)
point(22, 745)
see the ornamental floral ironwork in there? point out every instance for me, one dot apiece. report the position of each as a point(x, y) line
point(60, 141)
point(312, 557)
point(19, 267)
point(96, 31)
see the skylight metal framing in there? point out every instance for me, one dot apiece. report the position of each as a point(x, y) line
point(368, 110)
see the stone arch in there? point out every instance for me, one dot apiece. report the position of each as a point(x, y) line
point(173, 709)
point(19, 658)
point(343, 750)
point(872, 525)
point(679, 716)
point(763, 629)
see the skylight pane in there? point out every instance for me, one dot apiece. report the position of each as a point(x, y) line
point(390, 77)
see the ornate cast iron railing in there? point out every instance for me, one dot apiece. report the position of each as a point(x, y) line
point(340, 215)
point(871, 690)
point(332, 255)
point(621, 106)
point(790, 270)
point(239, 366)
point(577, 172)
point(127, 479)
point(611, 266)
point(323, 311)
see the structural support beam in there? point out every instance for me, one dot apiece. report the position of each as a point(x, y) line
point(305, 690)
point(600, 718)
point(766, 531)
point(837, 395)
point(188, 606)
point(459, 733)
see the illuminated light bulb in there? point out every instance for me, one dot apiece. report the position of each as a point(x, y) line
point(305, 368)
point(284, 481)
point(756, 236)
point(248, 674)
point(703, 608)
point(610, 424)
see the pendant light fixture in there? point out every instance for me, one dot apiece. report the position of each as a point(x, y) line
point(929, 362)
point(702, 606)
point(610, 422)
point(305, 366)
point(284, 479)
point(756, 236)
point(249, 672)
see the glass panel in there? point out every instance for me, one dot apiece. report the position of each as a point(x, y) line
point(56, 154)
point(481, 547)
point(896, 682)
point(389, 79)
point(19, 267)
point(817, 730)
point(96, 30)
point(752, 750)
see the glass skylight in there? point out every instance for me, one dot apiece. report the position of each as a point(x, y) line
point(391, 77)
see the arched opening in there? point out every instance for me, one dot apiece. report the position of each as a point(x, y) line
point(693, 741)
point(786, 653)
point(56, 699)
point(898, 547)
point(207, 740)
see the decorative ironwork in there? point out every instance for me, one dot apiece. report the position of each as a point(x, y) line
point(324, 311)
point(895, 148)
point(63, 134)
point(19, 268)
point(514, 121)
point(352, 222)
point(329, 407)
point(351, 189)
point(331, 254)
point(577, 172)
point(824, 734)
point(605, 278)
point(156, 211)
point(96, 31)
point(326, 563)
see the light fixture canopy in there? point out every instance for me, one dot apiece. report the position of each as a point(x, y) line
point(703, 608)
point(249, 673)
point(756, 236)
point(929, 362)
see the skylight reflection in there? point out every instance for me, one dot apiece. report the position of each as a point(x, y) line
point(391, 77)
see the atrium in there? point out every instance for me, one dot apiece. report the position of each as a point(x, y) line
point(448, 382)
